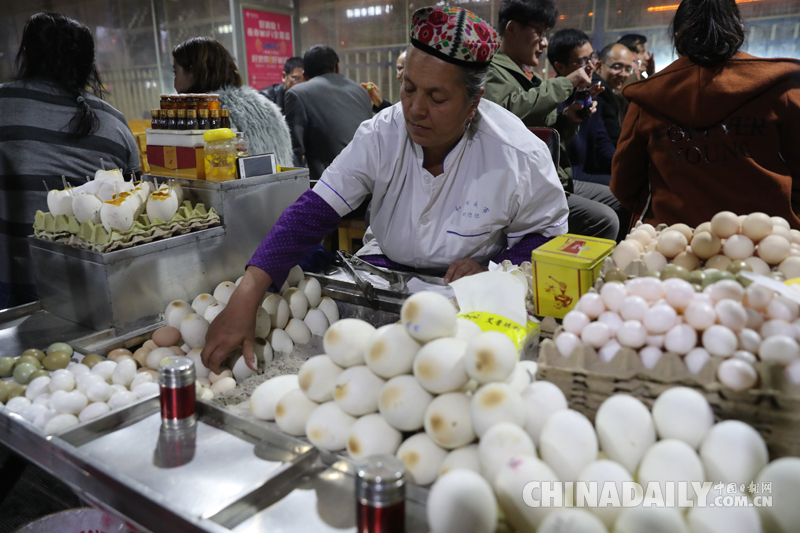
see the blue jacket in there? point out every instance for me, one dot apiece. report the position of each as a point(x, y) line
point(591, 150)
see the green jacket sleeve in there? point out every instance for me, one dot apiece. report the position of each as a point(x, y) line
point(534, 105)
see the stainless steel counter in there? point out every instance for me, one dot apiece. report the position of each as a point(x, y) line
point(30, 326)
point(230, 473)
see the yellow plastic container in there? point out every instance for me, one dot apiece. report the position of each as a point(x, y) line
point(564, 269)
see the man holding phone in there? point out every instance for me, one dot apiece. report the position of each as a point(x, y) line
point(525, 28)
point(591, 150)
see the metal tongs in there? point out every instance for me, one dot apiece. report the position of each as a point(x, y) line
point(352, 263)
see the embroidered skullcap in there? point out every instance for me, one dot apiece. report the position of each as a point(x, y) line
point(454, 35)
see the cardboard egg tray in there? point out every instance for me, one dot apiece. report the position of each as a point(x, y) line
point(773, 408)
point(90, 236)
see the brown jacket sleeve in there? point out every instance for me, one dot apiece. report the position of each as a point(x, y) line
point(789, 131)
point(629, 176)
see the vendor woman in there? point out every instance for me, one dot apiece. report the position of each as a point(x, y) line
point(455, 180)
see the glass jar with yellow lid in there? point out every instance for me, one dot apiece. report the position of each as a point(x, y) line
point(220, 155)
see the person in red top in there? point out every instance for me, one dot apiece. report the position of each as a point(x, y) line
point(716, 130)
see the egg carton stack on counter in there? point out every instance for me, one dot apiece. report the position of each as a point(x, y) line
point(456, 407)
point(715, 250)
point(56, 389)
point(109, 213)
point(282, 322)
point(710, 329)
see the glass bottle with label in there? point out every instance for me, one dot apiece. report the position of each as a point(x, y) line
point(165, 103)
point(172, 123)
point(224, 119)
point(214, 122)
point(155, 122)
point(163, 119)
point(213, 102)
point(191, 102)
point(202, 121)
point(181, 121)
point(191, 120)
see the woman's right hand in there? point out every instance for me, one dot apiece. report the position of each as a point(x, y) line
point(235, 326)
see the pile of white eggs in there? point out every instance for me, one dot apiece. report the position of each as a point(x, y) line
point(78, 394)
point(282, 321)
point(761, 241)
point(434, 375)
point(677, 442)
point(741, 326)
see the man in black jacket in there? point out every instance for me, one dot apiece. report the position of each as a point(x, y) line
point(292, 75)
point(324, 113)
point(614, 66)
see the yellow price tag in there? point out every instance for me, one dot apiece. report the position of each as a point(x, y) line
point(515, 331)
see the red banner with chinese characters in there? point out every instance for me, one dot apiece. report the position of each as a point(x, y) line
point(268, 43)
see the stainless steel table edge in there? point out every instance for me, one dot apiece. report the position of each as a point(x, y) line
point(230, 184)
point(60, 456)
point(138, 250)
point(95, 484)
point(21, 311)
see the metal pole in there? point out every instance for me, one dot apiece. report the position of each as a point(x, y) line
point(235, 35)
point(158, 46)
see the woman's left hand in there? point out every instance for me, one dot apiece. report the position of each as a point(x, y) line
point(461, 268)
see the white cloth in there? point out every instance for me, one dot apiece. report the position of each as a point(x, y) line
point(498, 185)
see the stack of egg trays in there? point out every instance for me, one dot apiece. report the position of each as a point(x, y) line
point(773, 408)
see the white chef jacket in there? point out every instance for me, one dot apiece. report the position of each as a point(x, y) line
point(498, 185)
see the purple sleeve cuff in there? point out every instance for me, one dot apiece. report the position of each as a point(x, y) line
point(521, 252)
point(297, 232)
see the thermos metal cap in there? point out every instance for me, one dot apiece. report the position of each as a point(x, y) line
point(380, 481)
point(176, 372)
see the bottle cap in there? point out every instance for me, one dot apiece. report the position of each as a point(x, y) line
point(218, 135)
point(380, 481)
point(176, 372)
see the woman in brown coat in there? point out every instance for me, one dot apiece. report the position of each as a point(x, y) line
point(717, 130)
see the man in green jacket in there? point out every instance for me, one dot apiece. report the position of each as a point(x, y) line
point(525, 26)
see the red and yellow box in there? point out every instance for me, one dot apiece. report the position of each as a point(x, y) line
point(178, 161)
point(564, 269)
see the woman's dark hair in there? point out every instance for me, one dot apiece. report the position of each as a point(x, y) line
point(210, 64)
point(61, 50)
point(708, 32)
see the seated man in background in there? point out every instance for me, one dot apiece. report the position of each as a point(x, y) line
point(614, 66)
point(378, 103)
point(525, 26)
point(291, 76)
point(645, 65)
point(591, 150)
point(324, 113)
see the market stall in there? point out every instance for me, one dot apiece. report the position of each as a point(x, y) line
point(669, 365)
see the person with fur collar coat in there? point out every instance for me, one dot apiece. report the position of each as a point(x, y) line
point(202, 65)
